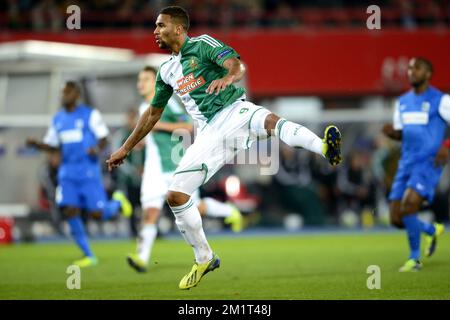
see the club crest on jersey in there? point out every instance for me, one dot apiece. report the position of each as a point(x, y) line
point(193, 63)
point(189, 83)
point(425, 106)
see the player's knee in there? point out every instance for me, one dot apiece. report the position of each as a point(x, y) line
point(270, 122)
point(97, 215)
point(70, 212)
point(175, 198)
point(397, 222)
point(202, 208)
point(151, 215)
point(409, 206)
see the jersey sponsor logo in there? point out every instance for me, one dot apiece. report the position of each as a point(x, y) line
point(71, 136)
point(420, 118)
point(223, 53)
point(189, 83)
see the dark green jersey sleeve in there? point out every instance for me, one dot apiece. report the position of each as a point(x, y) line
point(163, 92)
point(216, 51)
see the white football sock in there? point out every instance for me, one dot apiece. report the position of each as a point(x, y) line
point(216, 208)
point(189, 222)
point(146, 239)
point(296, 135)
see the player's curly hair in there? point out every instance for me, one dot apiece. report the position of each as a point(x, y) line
point(178, 14)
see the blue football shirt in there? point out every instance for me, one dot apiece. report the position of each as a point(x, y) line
point(423, 120)
point(74, 133)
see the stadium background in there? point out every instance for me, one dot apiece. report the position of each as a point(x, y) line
point(315, 62)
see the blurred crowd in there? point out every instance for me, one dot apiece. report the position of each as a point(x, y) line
point(50, 15)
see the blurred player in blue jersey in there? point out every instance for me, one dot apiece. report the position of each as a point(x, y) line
point(79, 132)
point(420, 120)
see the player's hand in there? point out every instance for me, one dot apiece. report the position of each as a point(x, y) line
point(219, 84)
point(92, 151)
point(116, 159)
point(30, 142)
point(388, 129)
point(442, 156)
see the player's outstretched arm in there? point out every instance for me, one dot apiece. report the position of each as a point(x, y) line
point(388, 130)
point(31, 142)
point(236, 71)
point(145, 124)
point(171, 127)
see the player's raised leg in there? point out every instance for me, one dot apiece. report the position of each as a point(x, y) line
point(433, 232)
point(213, 208)
point(296, 135)
point(98, 204)
point(125, 206)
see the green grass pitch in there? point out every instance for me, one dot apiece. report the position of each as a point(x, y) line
point(313, 266)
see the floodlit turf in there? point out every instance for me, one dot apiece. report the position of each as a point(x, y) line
point(317, 266)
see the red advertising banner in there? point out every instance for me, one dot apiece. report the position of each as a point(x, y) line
point(320, 62)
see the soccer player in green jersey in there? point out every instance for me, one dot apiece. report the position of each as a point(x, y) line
point(202, 72)
point(162, 154)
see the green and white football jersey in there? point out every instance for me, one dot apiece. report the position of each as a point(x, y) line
point(199, 62)
point(160, 144)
